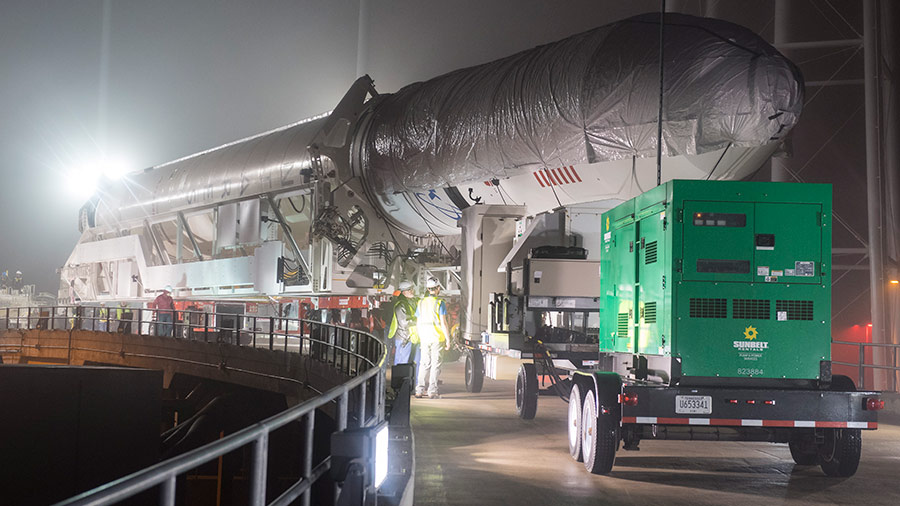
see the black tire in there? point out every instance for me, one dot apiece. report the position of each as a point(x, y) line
point(474, 371)
point(803, 455)
point(574, 424)
point(839, 454)
point(526, 392)
point(599, 438)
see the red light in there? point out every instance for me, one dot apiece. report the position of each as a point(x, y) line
point(732, 401)
point(769, 403)
point(751, 401)
point(874, 404)
point(629, 399)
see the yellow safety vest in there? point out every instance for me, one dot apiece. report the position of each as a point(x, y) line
point(409, 306)
point(428, 320)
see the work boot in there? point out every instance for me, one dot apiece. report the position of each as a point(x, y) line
point(434, 396)
point(419, 395)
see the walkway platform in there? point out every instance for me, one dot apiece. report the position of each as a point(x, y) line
point(473, 449)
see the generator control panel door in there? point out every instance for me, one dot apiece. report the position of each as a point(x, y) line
point(718, 241)
point(788, 243)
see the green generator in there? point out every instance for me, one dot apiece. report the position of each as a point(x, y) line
point(715, 311)
point(703, 281)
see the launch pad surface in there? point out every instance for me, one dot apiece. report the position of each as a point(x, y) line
point(473, 449)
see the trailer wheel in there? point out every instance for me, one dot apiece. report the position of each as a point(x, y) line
point(599, 438)
point(526, 392)
point(803, 455)
point(574, 424)
point(474, 371)
point(839, 454)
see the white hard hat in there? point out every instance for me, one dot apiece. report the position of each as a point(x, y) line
point(168, 288)
point(432, 283)
point(404, 286)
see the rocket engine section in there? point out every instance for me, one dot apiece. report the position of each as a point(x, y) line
point(569, 122)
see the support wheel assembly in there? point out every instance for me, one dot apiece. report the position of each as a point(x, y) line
point(526, 392)
point(474, 371)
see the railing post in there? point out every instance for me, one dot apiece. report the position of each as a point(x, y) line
point(341, 421)
point(362, 404)
point(862, 369)
point(894, 373)
point(379, 395)
point(167, 491)
point(308, 455)
point(300, 325)
point(206, 327)
point(271, 332)
point(342, 412)
point(258, 476)
point(255, 330)
point(7, 318)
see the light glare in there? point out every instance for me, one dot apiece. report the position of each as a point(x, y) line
point(83, 180)
point(381, 455)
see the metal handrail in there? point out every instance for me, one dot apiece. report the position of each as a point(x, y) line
point(862, 365)
point(366, 352)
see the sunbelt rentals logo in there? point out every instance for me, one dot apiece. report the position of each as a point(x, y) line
point(750, 342)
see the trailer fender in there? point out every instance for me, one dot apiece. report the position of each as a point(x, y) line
point(605, 387)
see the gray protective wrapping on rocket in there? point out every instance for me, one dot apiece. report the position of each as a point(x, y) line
point(591, 97)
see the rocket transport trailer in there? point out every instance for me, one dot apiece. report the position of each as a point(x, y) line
point(714, 302)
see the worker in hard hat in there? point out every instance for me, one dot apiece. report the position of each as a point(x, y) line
point(434, 335)
point(403, 326)
point(164, 312)
point(124, 316)
point(102, 315)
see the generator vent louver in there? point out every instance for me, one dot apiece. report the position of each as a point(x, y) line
point(751, 309)
point(795, 309)
point(709, 308)
point(650, 253)
point(649, 312)
point(622, 327)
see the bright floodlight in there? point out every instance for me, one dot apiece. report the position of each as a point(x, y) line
point(113, 168)
point(381, 455)
point(82, 180)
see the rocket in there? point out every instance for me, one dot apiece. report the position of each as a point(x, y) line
point(568, 122)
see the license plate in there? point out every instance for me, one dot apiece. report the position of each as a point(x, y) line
point(693, 404)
